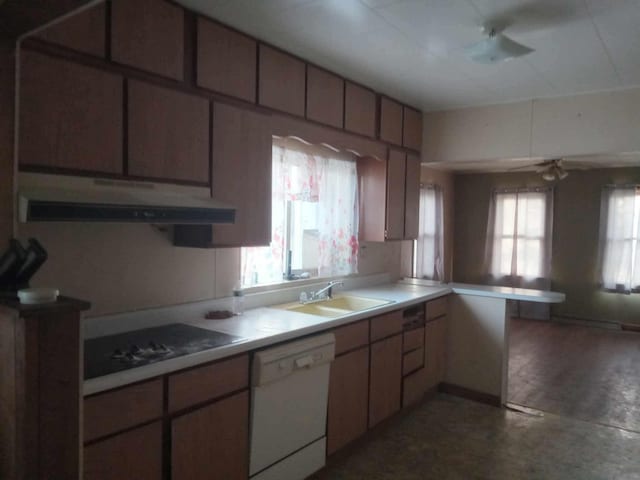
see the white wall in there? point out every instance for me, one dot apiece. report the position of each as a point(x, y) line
point(599, 123)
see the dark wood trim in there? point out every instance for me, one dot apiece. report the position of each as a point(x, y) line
point(470, 394)
point(211, 107)
point(630, 327)
point(190, 56)
point(107, 30)
point(125, 126)
point(94, 174)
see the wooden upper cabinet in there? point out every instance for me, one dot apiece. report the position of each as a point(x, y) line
point(70, 115)
point(412, 128)
point(168, 134)
point(372, 181)
point(396, 172)
point(226, 60)
point(241, 174)
point(359, 110)
point(325, 97)
point(84, 31)
point(412, 198)
point(390, 121)
point(149, 35)
point(282, 81)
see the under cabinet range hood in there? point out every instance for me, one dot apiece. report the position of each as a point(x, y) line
point(56, 198)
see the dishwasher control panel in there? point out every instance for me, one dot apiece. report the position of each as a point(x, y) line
point(276, 363)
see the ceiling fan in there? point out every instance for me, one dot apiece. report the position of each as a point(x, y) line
point(551, 169)
point(525, 16)
point(497, 47)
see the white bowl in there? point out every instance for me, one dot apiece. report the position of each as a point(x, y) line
point(33, 296)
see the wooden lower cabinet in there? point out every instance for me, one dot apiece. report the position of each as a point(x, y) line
point(436, 350)
point(348, 397)
point(212, 442)
point(136, 453)
point(385, 379)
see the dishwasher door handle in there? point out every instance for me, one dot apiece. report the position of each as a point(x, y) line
point(303, 362)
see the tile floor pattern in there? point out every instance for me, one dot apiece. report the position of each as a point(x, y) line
point(449, 438)
point(576, 371)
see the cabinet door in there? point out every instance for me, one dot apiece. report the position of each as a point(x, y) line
point(412, 128)
point(282, 81)
point(435, 351)
point(386, 379)
point(226, 60)
point(168, 134)
point(359, 110)
point(390, 121)
point(212, 442)
point(412, 198)
point(325, 97)
point(83, 31)
point(348, 397)
point(70, 115)
point(241, 174)
point(396, 168)
point(134, 454)
point(149, 35)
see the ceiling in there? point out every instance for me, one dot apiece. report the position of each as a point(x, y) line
point(577, 162)
point(413, 49)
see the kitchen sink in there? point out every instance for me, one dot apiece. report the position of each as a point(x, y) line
point(336, 307)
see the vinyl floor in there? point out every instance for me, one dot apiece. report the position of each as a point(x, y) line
point(583, 387)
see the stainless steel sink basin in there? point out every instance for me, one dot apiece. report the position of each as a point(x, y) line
point(336, 307)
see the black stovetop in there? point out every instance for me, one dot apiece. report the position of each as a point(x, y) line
point(114, 353)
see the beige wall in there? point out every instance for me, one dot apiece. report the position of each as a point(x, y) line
point(575, 238)
point(599, 123)
point(6, 140)
point(127, 267)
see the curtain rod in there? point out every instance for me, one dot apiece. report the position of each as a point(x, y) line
point(319, 145)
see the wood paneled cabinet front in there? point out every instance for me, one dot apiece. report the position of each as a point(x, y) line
point(241, 174)
point(212, 442)
point(385, 379)
point(168, 134)
point(436, 350)
point(389, 197)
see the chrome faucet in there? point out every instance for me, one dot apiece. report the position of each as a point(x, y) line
point(328, 290)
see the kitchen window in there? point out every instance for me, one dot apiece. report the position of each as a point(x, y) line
point(620, 238)
point(428, 248)
point(519, 234)
point(314, 216)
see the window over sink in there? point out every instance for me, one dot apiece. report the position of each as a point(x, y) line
point(314, 216)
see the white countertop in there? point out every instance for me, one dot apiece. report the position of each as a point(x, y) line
point(266, 326)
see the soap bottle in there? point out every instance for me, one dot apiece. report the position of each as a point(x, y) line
point(238, 300)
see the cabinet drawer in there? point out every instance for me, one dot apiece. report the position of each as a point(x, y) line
point(116, 410)
point(351, 336)
point(412, 361)
point(204, 383)
point(436, 308)
point(413, 339)
point(386, 325)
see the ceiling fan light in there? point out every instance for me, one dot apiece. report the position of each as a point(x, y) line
point(562, 173)
point(549, 176)
point(496, 48)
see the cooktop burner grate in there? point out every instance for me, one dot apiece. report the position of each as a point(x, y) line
point(115, 353)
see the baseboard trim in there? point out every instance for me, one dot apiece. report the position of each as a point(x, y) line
point(470, 394)
point(630, 327)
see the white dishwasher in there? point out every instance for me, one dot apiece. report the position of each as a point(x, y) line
point(289, 396)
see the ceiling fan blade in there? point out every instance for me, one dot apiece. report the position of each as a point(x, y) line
point(534, 15)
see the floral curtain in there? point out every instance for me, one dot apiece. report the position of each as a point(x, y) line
point(311, 174)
